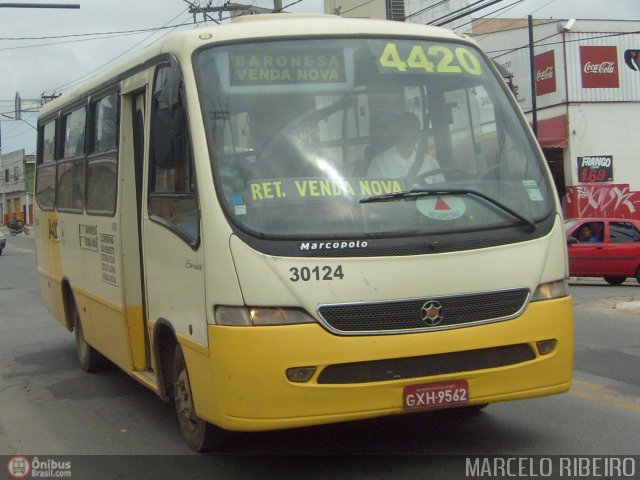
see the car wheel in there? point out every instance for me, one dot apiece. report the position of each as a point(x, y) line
point(614, 280)
point(197, 433)
point(638, 274)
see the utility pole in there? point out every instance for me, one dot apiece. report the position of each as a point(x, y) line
point(235, 9)
point(532, 69)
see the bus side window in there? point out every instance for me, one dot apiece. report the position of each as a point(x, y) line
point(102, 166)
point(46, 178)
point(172, 192)
point(71, 167)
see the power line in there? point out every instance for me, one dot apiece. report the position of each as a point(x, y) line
point(86, 75)
point(507, 8)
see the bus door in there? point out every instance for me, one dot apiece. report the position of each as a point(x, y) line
point(172, 250)
point(133, 121)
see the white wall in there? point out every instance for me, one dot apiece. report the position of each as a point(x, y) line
point(604, 129)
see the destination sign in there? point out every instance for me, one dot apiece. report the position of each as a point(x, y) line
point(293, 67)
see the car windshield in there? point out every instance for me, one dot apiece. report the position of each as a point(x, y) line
point(301, 132)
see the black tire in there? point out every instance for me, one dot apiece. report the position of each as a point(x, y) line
point(197, 433)
point(13, 232)
point(26, 231)
point(89, 358)
point(638, 274)
point(614, 280)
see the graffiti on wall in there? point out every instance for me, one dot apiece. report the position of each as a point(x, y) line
point(602, 200)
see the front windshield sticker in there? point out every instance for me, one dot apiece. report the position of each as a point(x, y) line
point(319, 65)
point(435, 59)
point(442, 208)
point(532, 189)
point(238, 204)
point(318, 188)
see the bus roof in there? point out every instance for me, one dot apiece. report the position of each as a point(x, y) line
point(252, 27)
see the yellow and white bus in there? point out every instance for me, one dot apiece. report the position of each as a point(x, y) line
point(209, 220)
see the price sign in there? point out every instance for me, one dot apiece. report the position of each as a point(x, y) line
point(595, 168)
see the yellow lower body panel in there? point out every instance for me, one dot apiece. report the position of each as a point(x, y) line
point(240, 383)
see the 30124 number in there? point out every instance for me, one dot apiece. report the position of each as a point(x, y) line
point(306, 274)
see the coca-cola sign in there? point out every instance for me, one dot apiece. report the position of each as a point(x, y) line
point(599, 67)
point(545, 65)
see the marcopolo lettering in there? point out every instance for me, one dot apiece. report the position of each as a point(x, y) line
point(342, 245)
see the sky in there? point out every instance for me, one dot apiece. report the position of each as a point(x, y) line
point(86, 42)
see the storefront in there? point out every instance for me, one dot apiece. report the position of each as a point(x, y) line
point(587, 82)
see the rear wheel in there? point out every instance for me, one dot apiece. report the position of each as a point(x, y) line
point(26, 230)
point(197, 433)
point(614, 280)
point(89, 358)
point(638, 274)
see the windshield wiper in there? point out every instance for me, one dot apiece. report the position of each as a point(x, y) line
point(416, 193)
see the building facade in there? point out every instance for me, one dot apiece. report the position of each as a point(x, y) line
point(587, 103)
point(587, 93)
point(17, 186)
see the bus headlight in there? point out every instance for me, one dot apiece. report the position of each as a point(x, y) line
point(547, 291)
point(260, 316)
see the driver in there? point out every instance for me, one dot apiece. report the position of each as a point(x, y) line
point(400, 159)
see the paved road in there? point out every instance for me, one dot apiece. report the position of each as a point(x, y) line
point(50, 407)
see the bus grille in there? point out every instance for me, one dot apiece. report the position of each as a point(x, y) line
point(425, 366)
point(406, 315)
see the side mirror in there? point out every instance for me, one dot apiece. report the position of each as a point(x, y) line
point(572, 240)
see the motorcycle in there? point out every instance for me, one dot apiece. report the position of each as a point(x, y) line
point(18, 228)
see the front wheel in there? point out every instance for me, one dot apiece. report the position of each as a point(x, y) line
point(13, 232)
point(26, 230)
point(614, 280)
point(197, 433)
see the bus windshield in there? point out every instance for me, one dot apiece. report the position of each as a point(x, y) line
point(311, 138)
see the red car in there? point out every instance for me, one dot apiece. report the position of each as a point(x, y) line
point(604, 247)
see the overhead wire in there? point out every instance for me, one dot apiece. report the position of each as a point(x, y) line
point(88, 74)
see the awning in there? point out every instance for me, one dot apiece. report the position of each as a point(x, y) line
point(553, 132)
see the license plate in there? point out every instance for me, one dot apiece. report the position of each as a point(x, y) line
point(435, 395)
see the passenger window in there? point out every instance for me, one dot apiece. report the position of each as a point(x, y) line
point(105, 123)
point(70, 182)
point(102, 166)
point(71, 169)
point(46, 178)
point(623, 232)
point(74, 130)
point(172, 189)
